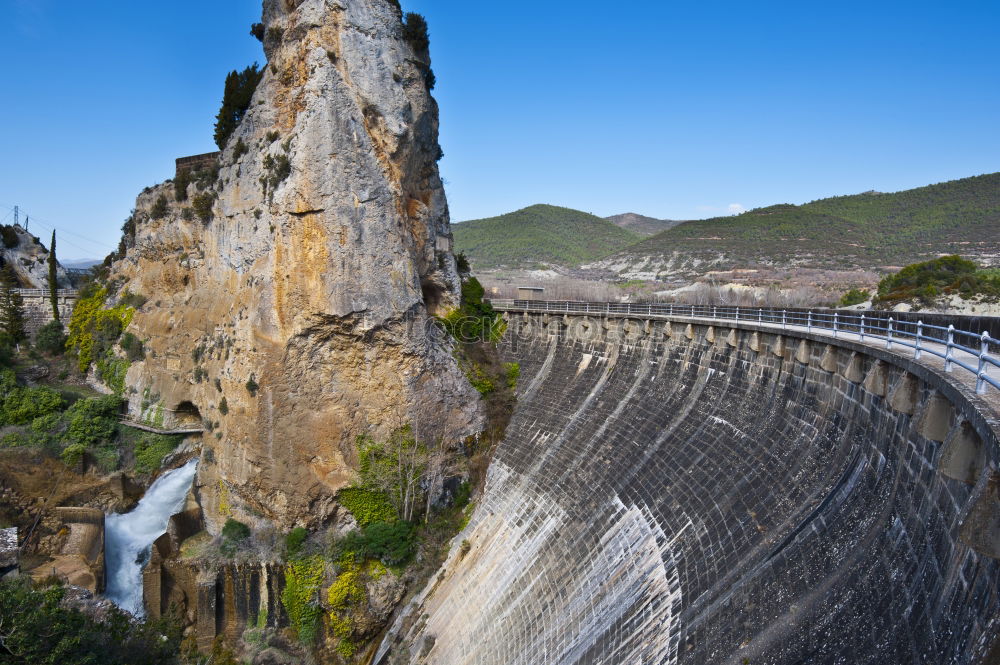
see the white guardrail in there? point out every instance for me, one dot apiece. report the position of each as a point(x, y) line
point(969, 351)
point(62, 293)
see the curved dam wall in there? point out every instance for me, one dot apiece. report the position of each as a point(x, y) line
point(678, 493)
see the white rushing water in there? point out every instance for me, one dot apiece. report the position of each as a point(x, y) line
point(128, 536)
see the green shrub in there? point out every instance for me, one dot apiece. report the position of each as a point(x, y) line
point(476, 320)
point(51, 338)
point(223, 406)
point(301, 596)
point(415, 33)
point(112, 370)
point(367, 505)
point(206, 177)
point(252, 386)
point(133, 300)
point(257, 30)
point(10, 237)
point(23, 405)
point(13, 440)
point(72, 454)
point(240, 149)
point(20, 405)
point(278, 168)
point(160, 208)
point(236, 98)
point(928, 279)
point(133, 347)
point(854, 297)
point(479, 380)
point(235, 530)
point(202, 205)
point(392, 544)
point(93, 421)
point(512, 371)
point(294, 541)
point(50, 422)
point(151, 449)
point(39, 628)
point(181, 183)
point(272, 136)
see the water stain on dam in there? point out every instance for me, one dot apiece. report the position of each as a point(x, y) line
point(684, 498)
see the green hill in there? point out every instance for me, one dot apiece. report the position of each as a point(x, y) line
point(537, 236)
point(871, 231)
point(641, 224)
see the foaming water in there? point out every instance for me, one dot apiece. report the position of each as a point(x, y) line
point(128, 536)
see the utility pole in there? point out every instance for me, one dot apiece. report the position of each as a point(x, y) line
point(26, 218)
point(15, 215)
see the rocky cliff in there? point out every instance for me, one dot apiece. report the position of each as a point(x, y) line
point(298, 316)
point(30, 260)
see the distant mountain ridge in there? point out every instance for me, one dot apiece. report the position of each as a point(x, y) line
point(537, 236)
point(641, 224)
point(868, 231)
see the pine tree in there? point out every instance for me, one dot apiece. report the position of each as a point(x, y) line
point(235, 102)
point(11, 306)
point(53, 278)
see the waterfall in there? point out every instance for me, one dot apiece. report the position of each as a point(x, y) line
point(128, 536)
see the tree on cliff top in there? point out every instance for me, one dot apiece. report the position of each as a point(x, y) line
point(236, 98)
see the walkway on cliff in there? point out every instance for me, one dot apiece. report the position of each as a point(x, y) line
point(145, 427)
point(970, 362)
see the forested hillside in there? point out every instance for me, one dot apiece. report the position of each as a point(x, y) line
point(870, 230)
point(537, 236)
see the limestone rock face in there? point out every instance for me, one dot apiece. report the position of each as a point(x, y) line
point(30, 261)
point(305, 302)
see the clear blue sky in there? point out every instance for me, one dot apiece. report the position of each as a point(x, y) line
point(668, 109)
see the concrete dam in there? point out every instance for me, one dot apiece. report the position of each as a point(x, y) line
point(683, 491)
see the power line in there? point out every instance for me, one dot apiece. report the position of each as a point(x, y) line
point(96, 246)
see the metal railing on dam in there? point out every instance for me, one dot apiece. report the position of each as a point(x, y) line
point(974, 353)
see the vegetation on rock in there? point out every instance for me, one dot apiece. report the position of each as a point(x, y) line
point(202, 205)
point(94, 329)
point(38, 628)
point(10, 237)
point(303, 577)
point(236, 98)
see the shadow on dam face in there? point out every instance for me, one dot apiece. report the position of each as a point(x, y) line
point(694, 496)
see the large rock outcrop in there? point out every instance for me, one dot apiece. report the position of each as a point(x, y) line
point(299, 317)
point(30, 259)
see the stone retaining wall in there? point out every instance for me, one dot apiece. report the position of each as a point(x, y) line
point(38, 309)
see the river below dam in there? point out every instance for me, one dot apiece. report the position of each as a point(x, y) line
point(128, 536)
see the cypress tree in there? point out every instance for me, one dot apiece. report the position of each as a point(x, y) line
point(53, 278)
point(11, 306)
